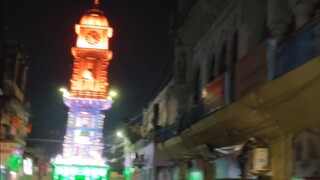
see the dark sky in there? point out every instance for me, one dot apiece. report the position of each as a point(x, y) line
point(141, 46)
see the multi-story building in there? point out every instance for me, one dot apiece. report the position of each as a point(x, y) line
point(14, 108)
point(149, 162)
point(246, 82)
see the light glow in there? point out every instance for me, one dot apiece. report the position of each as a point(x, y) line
point(65, 92)
point(113, 93)
point(91, 172)
point(87, 74)
point(120, 134)
point(27, 166)
point(62, 89)
point(196, 174)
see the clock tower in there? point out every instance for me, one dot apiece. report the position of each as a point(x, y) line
point(86, 99)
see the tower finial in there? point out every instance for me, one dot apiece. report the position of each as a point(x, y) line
point(96, 2)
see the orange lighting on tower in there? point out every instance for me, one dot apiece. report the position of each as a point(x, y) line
point(91, 55)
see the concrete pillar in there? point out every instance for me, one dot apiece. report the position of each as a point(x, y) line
point(209, 170)
point(183, 170)
point(281, 157)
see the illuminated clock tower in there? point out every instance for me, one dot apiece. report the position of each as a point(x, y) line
point(86, 99)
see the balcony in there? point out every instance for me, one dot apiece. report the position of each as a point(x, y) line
point(298, 48)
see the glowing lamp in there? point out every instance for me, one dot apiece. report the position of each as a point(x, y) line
point(113, 94)
point(27, 166)
point(120, 134)
point(62, 89)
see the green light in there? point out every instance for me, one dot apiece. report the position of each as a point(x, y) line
point(14, 162)
point(196, 174)
point(132, 170)
point(78, 172)
point(80, 177)
point(127, 172)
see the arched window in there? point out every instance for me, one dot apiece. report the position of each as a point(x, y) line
point(156, 111)
point(197, 87)
point(182, 68)
point(212, 67)
point(233, 64)
point(235, 48)
point(223, 59)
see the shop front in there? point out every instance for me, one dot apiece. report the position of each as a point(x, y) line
point(11, 154)
point(274, 115)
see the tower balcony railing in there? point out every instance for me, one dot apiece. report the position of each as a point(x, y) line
point(88, 94)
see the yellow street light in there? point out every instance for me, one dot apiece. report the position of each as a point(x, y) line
point(62, 89)
point(120, 134)
point(64, 92)
point(113, 93)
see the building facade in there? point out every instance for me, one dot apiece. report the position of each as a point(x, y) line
point(246, 77)
point(147, 161)
point(14, 108)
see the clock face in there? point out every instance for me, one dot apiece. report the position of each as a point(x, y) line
point(93, 37)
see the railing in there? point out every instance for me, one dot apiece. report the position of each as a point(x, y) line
point(166, 133)
point(298, 48)
point(190, 117)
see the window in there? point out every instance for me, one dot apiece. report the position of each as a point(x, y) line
point(182, 68)
point(197, 87)
point(223, 59)
point(211, 69)
point(155, 115)
point(233, 65)
point(235, 48)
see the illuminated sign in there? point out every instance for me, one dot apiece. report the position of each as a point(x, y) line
point(76, 171)
point(27, 166)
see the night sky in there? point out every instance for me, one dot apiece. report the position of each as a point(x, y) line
point(139, 69)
